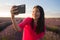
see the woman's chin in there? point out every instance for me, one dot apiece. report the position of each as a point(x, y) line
point(34, 18)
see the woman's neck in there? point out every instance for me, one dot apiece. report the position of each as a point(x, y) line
point(35, 22)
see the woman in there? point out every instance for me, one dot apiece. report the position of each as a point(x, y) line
point(33, 28)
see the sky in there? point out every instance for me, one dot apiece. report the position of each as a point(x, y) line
point(51, 7)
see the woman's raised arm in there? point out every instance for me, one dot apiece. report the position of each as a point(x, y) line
point(14, 12)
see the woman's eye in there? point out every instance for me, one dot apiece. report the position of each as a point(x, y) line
point(32, 11)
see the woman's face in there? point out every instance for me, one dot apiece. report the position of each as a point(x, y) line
point(35, 13)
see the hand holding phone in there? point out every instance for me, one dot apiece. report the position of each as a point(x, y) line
point(20, 9)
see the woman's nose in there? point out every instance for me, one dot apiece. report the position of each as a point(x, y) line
point(34, 13)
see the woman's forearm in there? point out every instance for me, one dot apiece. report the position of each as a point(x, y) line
point(14, 12)
point(15, 24)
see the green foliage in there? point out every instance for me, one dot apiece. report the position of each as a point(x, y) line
point(53, 29)
point(4, 38)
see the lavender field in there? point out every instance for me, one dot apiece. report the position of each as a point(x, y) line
point(52, 29)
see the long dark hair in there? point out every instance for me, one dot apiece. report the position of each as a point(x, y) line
point(40, 22)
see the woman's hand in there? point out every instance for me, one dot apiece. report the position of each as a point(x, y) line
point(14, 11)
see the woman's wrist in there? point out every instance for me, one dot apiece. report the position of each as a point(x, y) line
point(12, 15)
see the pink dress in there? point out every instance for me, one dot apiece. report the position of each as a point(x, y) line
point(28, 32)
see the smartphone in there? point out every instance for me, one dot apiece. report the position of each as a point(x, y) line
point(21, 8)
